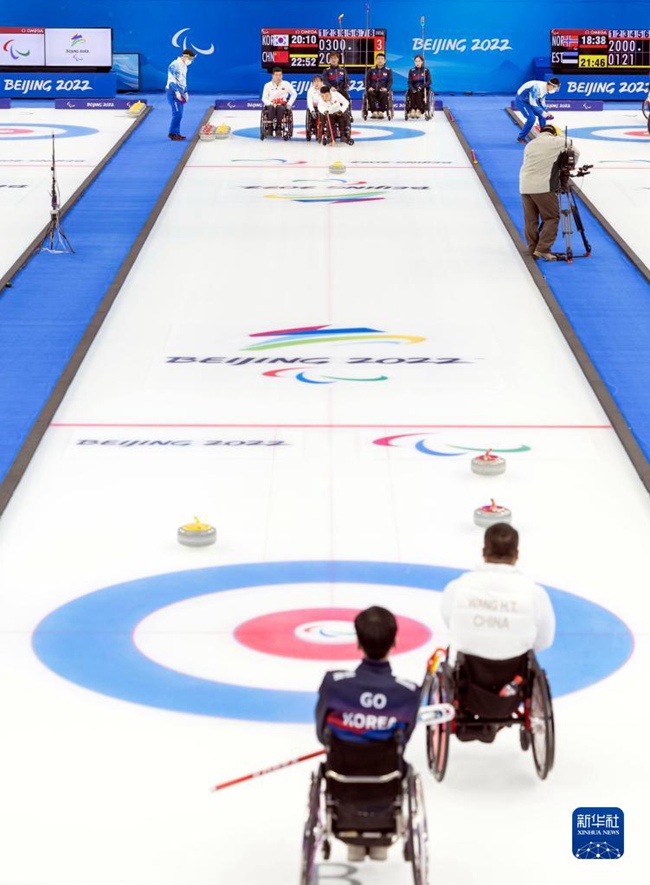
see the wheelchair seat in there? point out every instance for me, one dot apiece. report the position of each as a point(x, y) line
point(475, 686)
point(365, 795)
point(363, 785)
point(479, 682)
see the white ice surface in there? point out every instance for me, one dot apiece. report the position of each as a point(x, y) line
point(97, 791)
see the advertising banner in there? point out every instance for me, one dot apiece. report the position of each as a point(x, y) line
point(470, 46)
point(58, 85)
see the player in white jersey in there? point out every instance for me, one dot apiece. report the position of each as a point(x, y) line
point(278, 95)
point(496, 612)
point(177, 93)
point(335, 110)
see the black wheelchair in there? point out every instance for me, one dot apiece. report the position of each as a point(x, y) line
point(365, 795)
point(429, 104)
point(365, 106)
point(313, 126)
point(267, 129)
point(475, 686)
point(337, 126)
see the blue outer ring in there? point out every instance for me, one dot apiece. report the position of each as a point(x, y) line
point(396, 133)
point(89, 641)
point(588, 132)
point(68, 131)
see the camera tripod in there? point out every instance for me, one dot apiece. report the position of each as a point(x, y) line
point(569, 211)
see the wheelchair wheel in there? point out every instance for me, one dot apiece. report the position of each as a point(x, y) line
point(416, 849)
point(438, 735)
point(542, 725)
point(430, 105)
point(390, 113)
point(308, 125)
point(645, 107)
point(313, 832)
point(288, 126)
point(364, 106)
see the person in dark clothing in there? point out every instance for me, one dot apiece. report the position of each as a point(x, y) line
point(379, 84)
point(419, 85)
point(336, 77)
point(369, 703)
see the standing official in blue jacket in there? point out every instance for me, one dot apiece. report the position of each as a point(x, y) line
point(531, 101)
point(177, 93)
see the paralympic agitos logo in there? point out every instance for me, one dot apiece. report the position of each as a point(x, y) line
point(301, 368)
point(432, 444)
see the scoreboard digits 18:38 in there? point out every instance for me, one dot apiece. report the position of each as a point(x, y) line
point(620, 51)
point(305, 50)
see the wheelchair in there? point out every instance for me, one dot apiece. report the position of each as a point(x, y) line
point(286, 128)
point(365, 106)
point(365, 795)
point(473, 687)
point(333, 128)
point(428, 104)
point(313, 126)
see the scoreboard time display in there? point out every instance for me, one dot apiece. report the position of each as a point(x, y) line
point(305, 50)
point(578, 51)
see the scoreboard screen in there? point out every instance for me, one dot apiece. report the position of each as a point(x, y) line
point(576, 51)
point(305, 50)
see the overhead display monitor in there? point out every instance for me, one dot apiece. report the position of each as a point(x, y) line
point(22, 47)
point(594, 51)
point(79, 48)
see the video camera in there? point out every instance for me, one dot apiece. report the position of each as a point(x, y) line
point(567, 164)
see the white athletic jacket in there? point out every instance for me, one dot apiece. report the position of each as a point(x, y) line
point(338, 105)
point(282, 90)
point(496, 612)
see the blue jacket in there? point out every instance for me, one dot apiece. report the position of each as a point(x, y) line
point(366, 704)
point(337, 77)
point(379, 78)
point(419, 78)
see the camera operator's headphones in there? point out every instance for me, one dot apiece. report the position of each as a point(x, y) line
point(549, 127)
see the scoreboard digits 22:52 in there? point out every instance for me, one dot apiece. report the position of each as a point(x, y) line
point(305, 50)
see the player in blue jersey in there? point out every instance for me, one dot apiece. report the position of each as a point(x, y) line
point(336, 77)
point(177, 93)
point(419, 84)
point(379, 83)
point(531, 101)
point(369, 703)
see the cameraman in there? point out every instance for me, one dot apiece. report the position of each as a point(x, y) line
point(545, 171)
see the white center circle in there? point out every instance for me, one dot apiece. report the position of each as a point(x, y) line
point(326, 632)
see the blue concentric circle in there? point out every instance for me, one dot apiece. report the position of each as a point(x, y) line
point(601, 133)
point(89, 641)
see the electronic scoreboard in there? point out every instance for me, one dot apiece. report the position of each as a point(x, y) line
point(305, 50)
point(577, 51)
